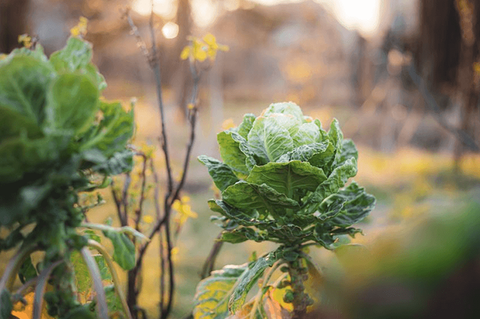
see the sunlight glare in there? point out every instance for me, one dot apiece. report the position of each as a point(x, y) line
point(170, 30)
point(164, 8)
point(204, 12)
point(362, 15)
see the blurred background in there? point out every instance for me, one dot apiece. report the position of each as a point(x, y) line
point(402, 77)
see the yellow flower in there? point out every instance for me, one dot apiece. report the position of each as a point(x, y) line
point(184, 210)
point(200, 50)
point(195, 51)
point(25, 40)
point(80, 29)
point(228, 124)
point(148, 219)
point(213, 46)
point(148, 150)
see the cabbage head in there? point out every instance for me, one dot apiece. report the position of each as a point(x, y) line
point(283, 179)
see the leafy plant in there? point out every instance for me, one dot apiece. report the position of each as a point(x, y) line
point(283, 179)
point(132, 191)
point(58, 137)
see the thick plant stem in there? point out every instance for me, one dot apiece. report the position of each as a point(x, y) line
point(300, 301)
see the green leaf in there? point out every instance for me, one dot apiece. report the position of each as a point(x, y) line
point(242, 217)
point(324, 159)
point(323, 237)
point(231, 153)
point(287, 108)
point(308, 133)
point(90, 234)
point(23, 86)
point(113, 302)
point(221, 173)
point(21, 155)
point(72, 102)
point(348, 151)
point(264, 198)
point(293, 179)
point(114, 130)
point(81, 312)
point(27, 271)
point(335, 135)
point(13, 123)
point(270, 137)
point(83, 281)
point(102, 266)
point(37, 54)
point(246, 125)
point(212, 294)
point(6, 304)
point(358, 204)
point(119, 163)
point(334, 182)
point(240, 235)
point(92, 71)
point(247, 280)
point(75, 55)
point(123, 249)
point(330, 207)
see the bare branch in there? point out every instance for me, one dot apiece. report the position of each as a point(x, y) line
point(138, 212)
point(209, 264)
point(430, 102)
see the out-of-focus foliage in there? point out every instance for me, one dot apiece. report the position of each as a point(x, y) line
point(424, 268)
point(58, 137)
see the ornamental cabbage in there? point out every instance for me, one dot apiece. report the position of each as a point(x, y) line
point(283, 179)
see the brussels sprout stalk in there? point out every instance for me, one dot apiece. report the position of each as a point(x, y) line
point(283, 179)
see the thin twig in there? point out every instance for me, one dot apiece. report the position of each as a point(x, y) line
point(126, 186)
point(162, 274)
point(430, 102)
point(138, 212)
point(118, 204)
point(156, 192)
point(212, 256)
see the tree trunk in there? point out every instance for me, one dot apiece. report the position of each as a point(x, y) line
point(13, 22)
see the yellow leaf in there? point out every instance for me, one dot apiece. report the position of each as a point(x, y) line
point(272, 307)
point(213, 293)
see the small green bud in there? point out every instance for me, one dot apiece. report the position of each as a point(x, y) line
point(310, 301)
point(284, 269)
point(288, 298)
point(284, 283)
point(303, 271)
